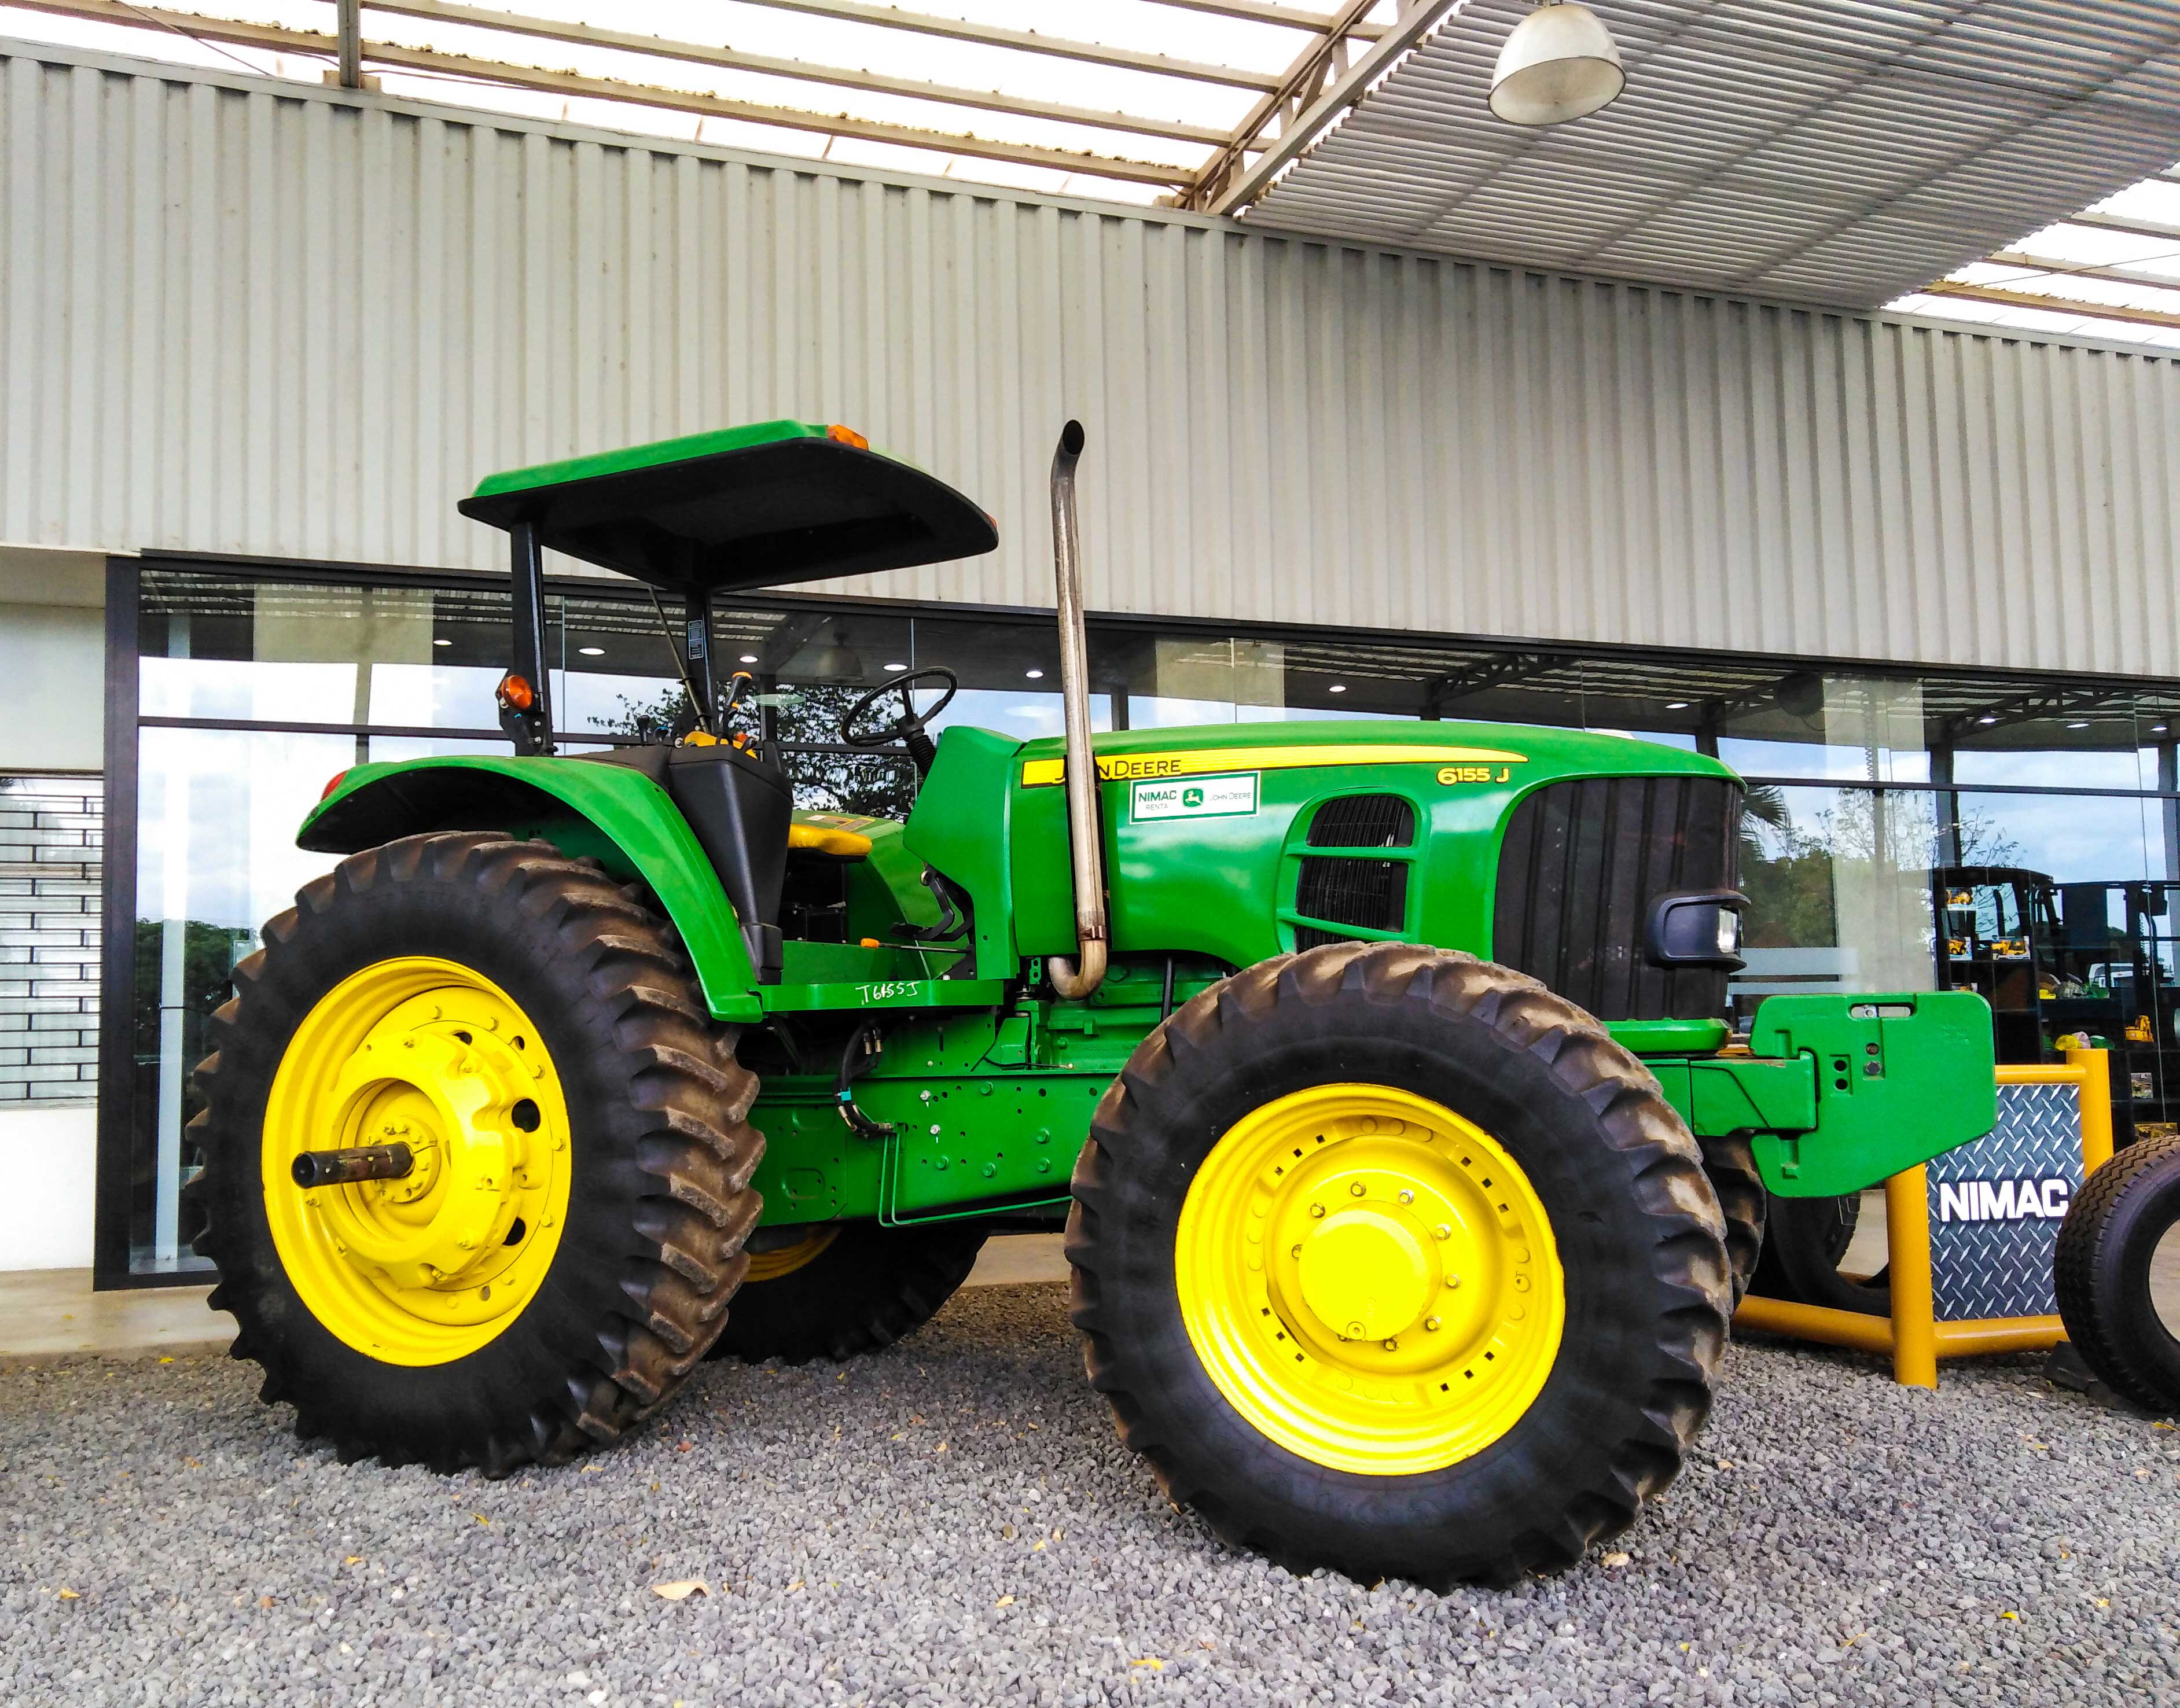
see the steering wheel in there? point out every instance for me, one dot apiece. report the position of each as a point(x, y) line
point(911, 728)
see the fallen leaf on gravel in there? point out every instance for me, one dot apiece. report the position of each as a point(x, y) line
point(353, 1560)
point(264, 1601)
point(68, 1595)
point(942, 1448)
point(1150, 1662)
point(193, 1465)
point(1037, 1546)
point(481, 1518)
point(681, 1589)
point(588, 1469)
point(1004, 1601)
point(2009, 1614)
point(166, 1361)
point(1615, 1558)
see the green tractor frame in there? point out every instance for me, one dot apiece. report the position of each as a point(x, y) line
point(1373, 1069)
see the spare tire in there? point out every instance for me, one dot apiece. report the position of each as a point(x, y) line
point(2102, 1268)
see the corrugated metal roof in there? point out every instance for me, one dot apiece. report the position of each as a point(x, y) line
point(1828, 151)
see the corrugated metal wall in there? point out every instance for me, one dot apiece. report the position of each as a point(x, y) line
point(302, 324)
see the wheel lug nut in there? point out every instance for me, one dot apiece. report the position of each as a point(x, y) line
point(1407, 1198)
point(1392, 1346)
point(1296, 1252)
point(1355, 1330)
point(1444, 1230)
point(1453, 1281)
point(1356, 1188)
point(1431, 1324)
point(1317, 1210)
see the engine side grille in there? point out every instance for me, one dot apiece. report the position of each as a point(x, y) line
point(1583, 863)
point(1364, 821)
point(1372, 894)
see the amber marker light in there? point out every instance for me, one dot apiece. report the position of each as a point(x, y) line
point(333, 782)
point(847, 435)
point(515, 693)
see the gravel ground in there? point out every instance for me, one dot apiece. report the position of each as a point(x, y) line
point(954, 1522)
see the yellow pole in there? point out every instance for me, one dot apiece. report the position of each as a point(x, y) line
point(1907, 1241)
point(2096, 1107)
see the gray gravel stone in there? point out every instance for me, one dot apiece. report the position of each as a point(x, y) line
point(954, 1522)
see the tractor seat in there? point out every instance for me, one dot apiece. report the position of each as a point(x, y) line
point(827, 842)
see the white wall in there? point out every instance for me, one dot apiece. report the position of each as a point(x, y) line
point(241, 316)
point(52, 660)
point(47, 1158)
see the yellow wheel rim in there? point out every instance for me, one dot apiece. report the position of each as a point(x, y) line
point(428, 1268)
point(785, 1260)
point(1370, 1279)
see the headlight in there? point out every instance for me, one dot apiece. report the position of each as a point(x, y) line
point(1697, 928)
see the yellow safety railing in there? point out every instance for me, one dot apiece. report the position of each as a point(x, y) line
point(1913, 1334)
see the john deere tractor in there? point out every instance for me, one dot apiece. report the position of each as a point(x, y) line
point(1374, 1068)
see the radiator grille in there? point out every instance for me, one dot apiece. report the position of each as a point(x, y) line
point(1364, 821)
point(1372, 894)
point(1583, 863)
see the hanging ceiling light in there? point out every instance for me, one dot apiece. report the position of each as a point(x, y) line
point(1559, 64)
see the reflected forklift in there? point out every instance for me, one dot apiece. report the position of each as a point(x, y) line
point(2067, 964)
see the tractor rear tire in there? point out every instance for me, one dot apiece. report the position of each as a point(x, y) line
point(578, 1129)
point(2101, 1273)
point(1729, 1162)
point(1804, 1240)
point(847, 1289)
point(1450, 1150)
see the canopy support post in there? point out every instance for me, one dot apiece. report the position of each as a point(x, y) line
point(530, 725)
point(703, 680)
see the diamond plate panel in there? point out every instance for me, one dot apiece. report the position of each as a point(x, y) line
point(1995, 1207)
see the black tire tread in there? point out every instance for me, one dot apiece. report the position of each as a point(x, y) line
point(2086, 1254)
point(699, 1155)
point(872, 1287)
point(1729, 1162)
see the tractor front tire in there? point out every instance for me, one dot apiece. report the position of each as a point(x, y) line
point(1805, 1239)
point(562, 1249)
point(841, 1289)
point(1391, 1261)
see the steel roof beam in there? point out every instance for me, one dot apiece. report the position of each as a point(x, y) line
point(2131, 275)
point(800, 70)
point(279, 39)
point(1262, 12)
point(1231, 189)
point(1028, 41)
point(2073, 307)
point(2131, 227)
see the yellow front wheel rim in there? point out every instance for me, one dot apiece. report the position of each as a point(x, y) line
point(1370, 1279)
point(428, 1268)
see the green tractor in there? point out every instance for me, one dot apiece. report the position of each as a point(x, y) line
point(1373, 1069)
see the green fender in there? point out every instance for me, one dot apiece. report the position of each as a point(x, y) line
point(616, 815)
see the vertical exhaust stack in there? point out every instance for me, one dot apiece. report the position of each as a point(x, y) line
point(1078, 978)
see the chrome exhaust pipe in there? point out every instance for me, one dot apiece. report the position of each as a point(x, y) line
point(1079, 978)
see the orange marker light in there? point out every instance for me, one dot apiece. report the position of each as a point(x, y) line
point(516, 692)
point(333, 782)
point(847, 435)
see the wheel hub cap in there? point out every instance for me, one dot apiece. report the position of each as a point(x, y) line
point(428, 1267)
point(1370, 1279)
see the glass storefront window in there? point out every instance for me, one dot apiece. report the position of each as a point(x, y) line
point(1884, 786)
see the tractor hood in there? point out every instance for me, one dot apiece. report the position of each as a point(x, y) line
point(761, 506)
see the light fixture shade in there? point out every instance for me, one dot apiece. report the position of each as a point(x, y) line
point(1559, 63)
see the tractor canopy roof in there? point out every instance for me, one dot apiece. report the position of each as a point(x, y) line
point(758, 506)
